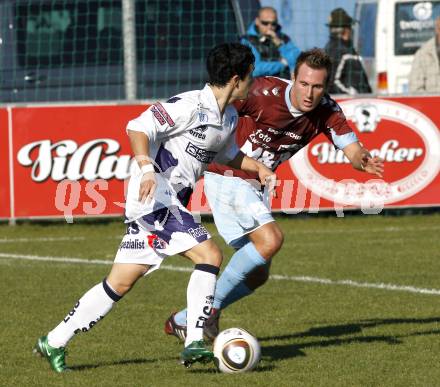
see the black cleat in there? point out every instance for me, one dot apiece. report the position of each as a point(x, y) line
point(211, 328)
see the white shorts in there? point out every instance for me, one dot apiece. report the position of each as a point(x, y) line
point(162, 233)
point(237, 206)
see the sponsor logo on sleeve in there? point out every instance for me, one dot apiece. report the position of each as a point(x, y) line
point(158, 116)
point(164, 114)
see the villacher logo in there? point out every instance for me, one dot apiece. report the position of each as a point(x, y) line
point(407, 141)
point(95, 159)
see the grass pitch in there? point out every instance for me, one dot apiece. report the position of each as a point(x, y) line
point(352, 302)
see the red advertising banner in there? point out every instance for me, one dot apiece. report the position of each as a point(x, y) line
point(73, 161)
point(5, 204)
point(402, 131)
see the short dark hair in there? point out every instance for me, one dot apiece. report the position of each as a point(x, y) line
point(226, 60)
point(316, 58)
point(262, 9)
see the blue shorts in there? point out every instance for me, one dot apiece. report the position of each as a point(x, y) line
point(237, 206)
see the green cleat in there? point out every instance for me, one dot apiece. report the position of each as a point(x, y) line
point(196, 352)
point(55, 356)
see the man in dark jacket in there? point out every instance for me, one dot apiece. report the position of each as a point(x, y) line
point(348, 75)
point(275, 54)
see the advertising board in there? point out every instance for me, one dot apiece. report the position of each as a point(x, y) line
point(74, 161)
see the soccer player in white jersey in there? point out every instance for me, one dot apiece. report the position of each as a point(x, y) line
point(173, 144)
point(277, 119)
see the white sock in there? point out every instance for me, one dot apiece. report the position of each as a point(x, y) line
point(91, 308)
point(200, 297)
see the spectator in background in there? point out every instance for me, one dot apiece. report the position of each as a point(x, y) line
point(348, 75)
point(275, 54)
point(425, 70)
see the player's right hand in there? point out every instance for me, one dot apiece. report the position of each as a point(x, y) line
point(268, 178)
point(147, 187)
point(373, 165)
point(271, 183)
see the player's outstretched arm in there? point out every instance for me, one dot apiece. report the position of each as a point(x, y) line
point(362, 160)
point(266, 176)
point(140, 145)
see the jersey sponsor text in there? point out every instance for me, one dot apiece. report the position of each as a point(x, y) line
point(200, 154)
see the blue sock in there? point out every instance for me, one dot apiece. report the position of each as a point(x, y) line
point(235, 294)
point(180, 317)
point(230, 286)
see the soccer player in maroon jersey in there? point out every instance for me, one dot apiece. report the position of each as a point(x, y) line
point(278, 119)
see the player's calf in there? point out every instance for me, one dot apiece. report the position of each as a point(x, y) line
point(258, 277)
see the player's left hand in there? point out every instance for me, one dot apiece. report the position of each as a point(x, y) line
point(373, 165)
point(147, 187)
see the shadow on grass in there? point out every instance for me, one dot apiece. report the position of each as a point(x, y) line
point(292, 350)
point(347, 329)
point(213, 371)
point(83, 367)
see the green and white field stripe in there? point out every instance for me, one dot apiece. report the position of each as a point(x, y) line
point(276, 277)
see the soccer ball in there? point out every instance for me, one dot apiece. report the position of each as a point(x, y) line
point(236, 350)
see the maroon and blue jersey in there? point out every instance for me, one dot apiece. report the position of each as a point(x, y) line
point(271, 130)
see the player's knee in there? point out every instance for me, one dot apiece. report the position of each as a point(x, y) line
point(122, 277)
point(258, 277)
point(206, 252)
point(215, 257)
point(212, 256)
point(119, 287)
point(277, 240)
point(271, 243)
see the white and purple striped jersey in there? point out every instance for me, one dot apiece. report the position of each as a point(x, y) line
point(186, 134)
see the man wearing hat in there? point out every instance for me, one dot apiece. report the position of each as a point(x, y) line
point(348, 75)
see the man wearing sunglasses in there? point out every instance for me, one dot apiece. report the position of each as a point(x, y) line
point(275, 54)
